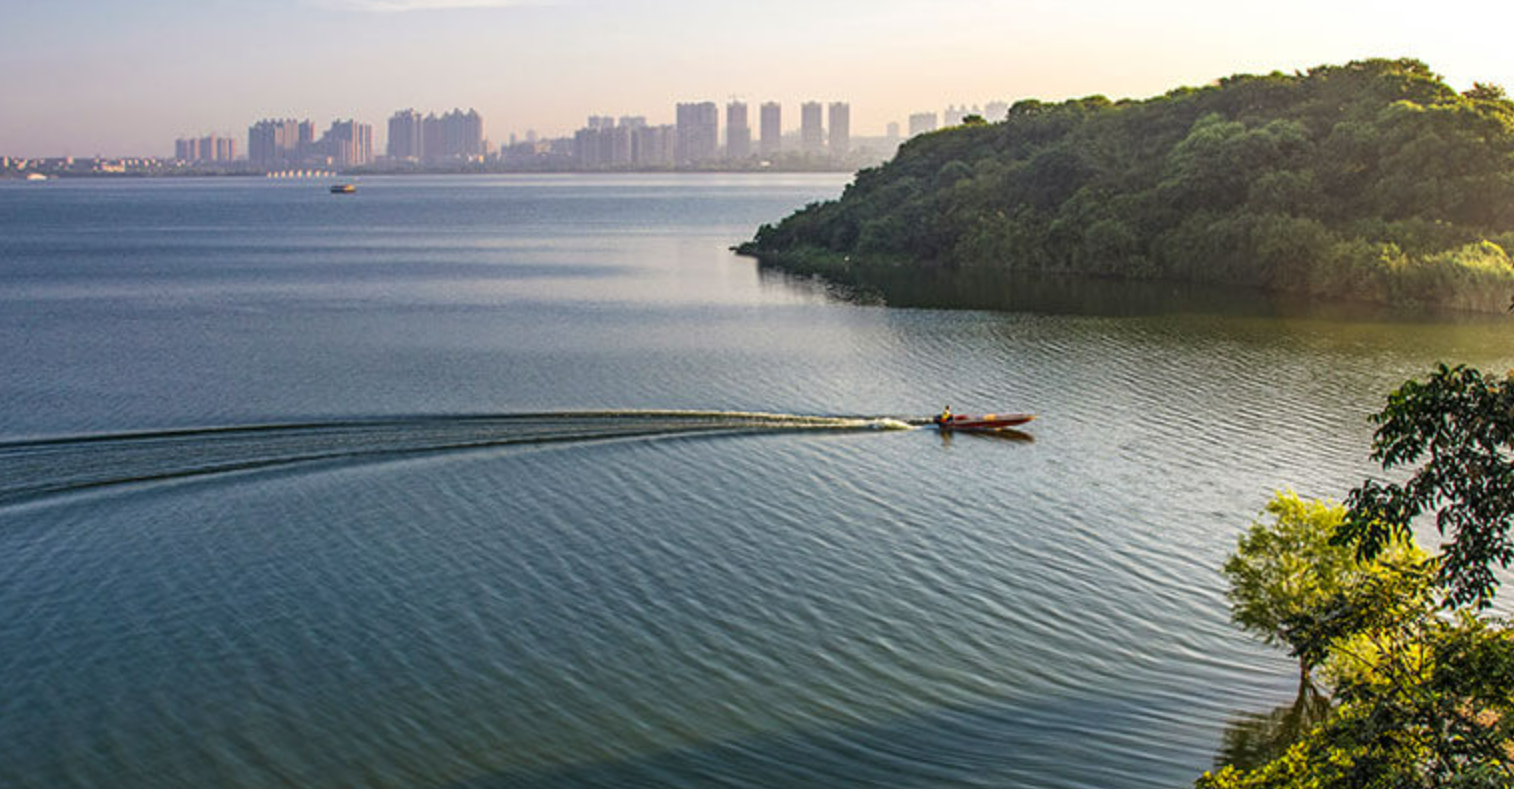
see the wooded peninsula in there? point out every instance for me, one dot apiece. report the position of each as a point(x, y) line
point(1374, 181)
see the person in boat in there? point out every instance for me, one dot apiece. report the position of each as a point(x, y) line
point(946, 416)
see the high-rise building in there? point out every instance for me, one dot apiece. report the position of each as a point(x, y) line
point(738, 135)
point(619, 139)
point(811, 132)
point(211, 148)
point(954, 115)
point(841, 128)
point(455, 136)
point(698, 132)
point(348, 144)
point(304, 141)
point(995, 111)
point(653, 146)
point(599, 146)
point(922, 123)
point(465, 133)
point(405, 130)
point(433, 140)
point(279, 142)
point(632, 121)
point(772, 128)
point(893, 132)
point(586, 148)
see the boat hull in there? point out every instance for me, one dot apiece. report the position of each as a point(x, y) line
point(982, 424)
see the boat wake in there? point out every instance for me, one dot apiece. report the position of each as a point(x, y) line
point(53, 466)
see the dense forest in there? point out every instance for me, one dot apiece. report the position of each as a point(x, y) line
point(1374, 181)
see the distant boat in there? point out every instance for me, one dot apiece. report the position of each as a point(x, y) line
point(343, 189)
point(36, 177)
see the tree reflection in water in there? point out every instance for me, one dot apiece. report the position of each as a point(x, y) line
point(1255, 738)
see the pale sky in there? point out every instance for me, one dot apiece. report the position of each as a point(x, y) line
point(125, 77)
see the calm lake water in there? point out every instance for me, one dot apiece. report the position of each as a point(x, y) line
point(466, 482)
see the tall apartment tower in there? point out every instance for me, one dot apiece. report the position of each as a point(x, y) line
point(841, 128)
point(304, 143)
point(698, 132)
point(205, 149)
point(465, 133)
point(586, 148)
point(279, 142)
point(348, 143)
point(620, 145)
point(922, 123)
point(772, 128)
point(405, 135)
point(738, 135)
point(455, 135)
point(433, 140)
point(811, 132)
point(652, 146)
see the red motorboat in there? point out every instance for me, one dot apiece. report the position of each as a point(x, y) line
point(981, 423)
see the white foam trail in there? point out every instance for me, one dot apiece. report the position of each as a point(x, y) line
point(771, 418)
point(890, 423)
point(48, 466)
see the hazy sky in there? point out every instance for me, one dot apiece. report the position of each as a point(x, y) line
point(119, 77)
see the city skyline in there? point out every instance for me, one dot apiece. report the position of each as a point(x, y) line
point(116, 78)
point(458, 136)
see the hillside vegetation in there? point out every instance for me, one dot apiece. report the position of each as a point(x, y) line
point(1374, 181)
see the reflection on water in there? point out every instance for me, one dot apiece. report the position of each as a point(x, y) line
point(1054, 294)
point(1255, 738)
point(1003, 434)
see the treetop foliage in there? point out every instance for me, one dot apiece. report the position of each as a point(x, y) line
point(1460, 422)
point(1286, 576)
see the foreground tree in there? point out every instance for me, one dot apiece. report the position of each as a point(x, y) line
point(1424, 700)
point(1461, 423)
point(1282, 574)
point(1425, 686)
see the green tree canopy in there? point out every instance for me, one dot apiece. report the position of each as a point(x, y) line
point(1486, 91)
point(1460, 422)
point(1282, 573)
point(1372, 181)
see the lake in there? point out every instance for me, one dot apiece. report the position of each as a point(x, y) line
point(468, 482)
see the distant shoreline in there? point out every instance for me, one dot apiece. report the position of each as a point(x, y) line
point(101, 175)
